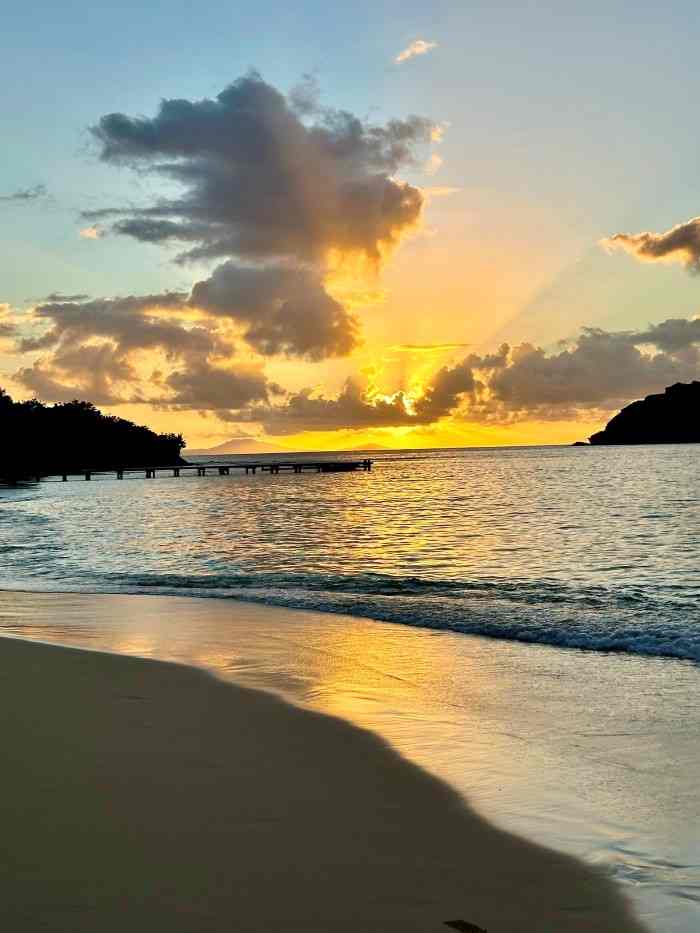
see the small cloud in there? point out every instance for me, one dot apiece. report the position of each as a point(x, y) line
point(418, 47)
point(433, 164)
point(427, 347)
point(92, 233)
point(679, 244)
point(59, 298)
point(25, 194)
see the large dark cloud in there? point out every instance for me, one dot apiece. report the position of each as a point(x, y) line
point(258, 181)
point(281, 188)
point(598, 372)
point(679, 244)
point(282, 310)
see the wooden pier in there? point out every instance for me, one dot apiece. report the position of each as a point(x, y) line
point(225, 469)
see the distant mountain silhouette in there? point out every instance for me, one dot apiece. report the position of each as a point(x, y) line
point(239, 445)
point(672, 417)
point(46, 440)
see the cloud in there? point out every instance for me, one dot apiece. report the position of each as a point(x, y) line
point(8, 327)
point(427, 347)
point(128, 322)
point(679, 244)
point(673, 335)
point(417, 47)
point(278, 311)
point(282, 310)
point(275, 309)
point(91, 233)
point(350, 409)
point(598, 372)
point(25, 194)
point(58, 297)
point(216, 388)
point(259, 182)
point(92, 348)
point(448, 387)
point(282, 189)
point(86, 371)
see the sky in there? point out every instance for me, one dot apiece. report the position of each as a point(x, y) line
point(402, 224)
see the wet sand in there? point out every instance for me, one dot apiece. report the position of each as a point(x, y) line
point(149, 796)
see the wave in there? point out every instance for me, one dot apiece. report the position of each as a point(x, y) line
point(545, 612)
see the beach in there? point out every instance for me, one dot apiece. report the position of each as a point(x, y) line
point(153, 795)
point(536, 654)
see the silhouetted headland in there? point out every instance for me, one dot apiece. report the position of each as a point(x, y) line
point(43, 440)
point(672, 417)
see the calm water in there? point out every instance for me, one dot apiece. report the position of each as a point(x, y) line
point(584, 548)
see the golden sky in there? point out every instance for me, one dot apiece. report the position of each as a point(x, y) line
point(270, 268)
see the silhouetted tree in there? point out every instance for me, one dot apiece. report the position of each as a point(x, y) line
point(42, 440)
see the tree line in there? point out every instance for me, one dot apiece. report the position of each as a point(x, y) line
point(70, 437)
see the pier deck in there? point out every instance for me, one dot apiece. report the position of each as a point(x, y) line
point(211, 468)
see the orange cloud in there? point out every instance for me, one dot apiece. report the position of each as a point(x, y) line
point(417, 47)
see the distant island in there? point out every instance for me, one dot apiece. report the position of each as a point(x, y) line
point(671, 417)
point(69, 437)
point(237, 445)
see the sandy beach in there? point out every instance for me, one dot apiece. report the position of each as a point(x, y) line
point(151, 796)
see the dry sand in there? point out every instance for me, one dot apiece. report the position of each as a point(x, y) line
point(143, 796)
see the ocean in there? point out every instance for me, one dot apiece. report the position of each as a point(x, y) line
point(594, 549)
point(524, 622)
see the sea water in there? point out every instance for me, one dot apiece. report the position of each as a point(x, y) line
point(589, 548)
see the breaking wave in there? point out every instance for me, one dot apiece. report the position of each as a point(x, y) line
point(545, 612)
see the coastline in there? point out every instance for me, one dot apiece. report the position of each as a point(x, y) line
point(566, 748)
point(148, 793)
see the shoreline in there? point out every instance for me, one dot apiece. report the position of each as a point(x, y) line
point(354, 611)
point(568, 749)
point(144, 792)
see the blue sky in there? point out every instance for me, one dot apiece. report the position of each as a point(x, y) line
point(582, 108)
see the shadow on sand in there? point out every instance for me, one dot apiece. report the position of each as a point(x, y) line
point(144, 796)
